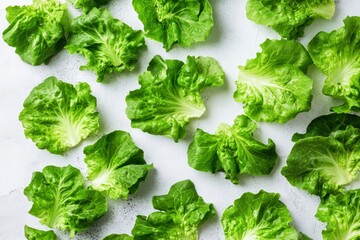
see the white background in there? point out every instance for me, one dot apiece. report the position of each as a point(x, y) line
point(233, 40)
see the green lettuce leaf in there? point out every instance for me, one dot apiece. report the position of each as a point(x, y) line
point(118, 237)
point(289, 17)
point(115, 165)
point(323, 165)
point(37, 31)
point(60, 199)
point(258, 216)
point(327, 125)
point(233, 150)
point(36, 234)
point(342, 215)
point(58, 115)
point(171, 22)
point(108, 44)
point(170, 94)
point(336, 54)
point(87, 5)
point(180, 213)
point(274, 87)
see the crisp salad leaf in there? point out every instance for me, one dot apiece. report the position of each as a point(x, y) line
point(37, 31)
point(60, 199)
point(342, 215)
point(36, 234)
point(58, 115)
point(118, 237)
point(328, 124)
point(273, 86)
point(323, 165)
point(108, 44)
point(289, 17)
point(180, 213)
point(336, 54)
point(232, 149)
point(170, 94)
point(115, 165)
point(258, 216)
point(87, 5)
point(182, 22)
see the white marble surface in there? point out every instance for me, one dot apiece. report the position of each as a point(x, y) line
point(233, 40)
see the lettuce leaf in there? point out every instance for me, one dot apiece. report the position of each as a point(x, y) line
point(336, 54)
point(233, 150)
point(36, 234)
point(324, 165)
point(118, 237)
point(327, 125)
point(180, 213)
point(289, 17)
point(37, 31)
point(258, 216)
point(108, 44)
point(58, 115)
point(87, 5)
point(342, 215)
point(182, 22)
point(170, 94)
point(60, 199)
point(274, 87)
point(115, 165)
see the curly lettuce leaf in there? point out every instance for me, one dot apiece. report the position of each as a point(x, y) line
point(180, 214)
point(37, 31)
point(108, 44)
point(116, 165)
point(118, 237)
point(336, 54)
point(182, 22)
point(170, 94)
point(258, 216)
point(58, 115)
point(324, 165)
point(36, 234)
point(341, 213)
point(289, 17)
point(87, 5)
point(327, 125)
point(232, 149)
point(60, 199)
point(274, 87)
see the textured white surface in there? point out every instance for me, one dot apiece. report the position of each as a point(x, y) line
point(233, 40)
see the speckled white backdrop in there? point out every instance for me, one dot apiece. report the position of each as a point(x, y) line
point(233, 40)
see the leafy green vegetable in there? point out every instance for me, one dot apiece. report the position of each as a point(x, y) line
point(273, 87)
point(303, 237)
point(258, 216)
point(61, 200)
point(116, 165)
point(336, 54)
point(87, 5)
point(323, 165)
point(232, 150)
point(289, 17)
point(37, 31)
point(108, 44)
point(327, 124)
point(170, 94)
point(182, 22)
point(182, 210)
point(118, 237)
point(58, 115)
point(342, 215)
point(36, 234)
